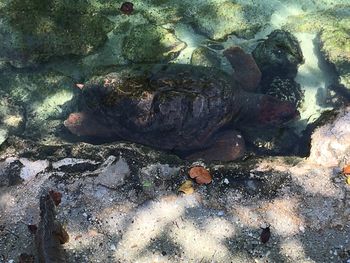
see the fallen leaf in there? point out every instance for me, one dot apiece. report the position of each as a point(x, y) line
point(78, 237)
point(265, 235)
point(79, 85)
point(187, 187)
point(146, 183)
point(200, 174)
point(25, 258)
point(32, 228)
point(346, 169)
point(348, 180)
point(56, 197)
point(62, 236)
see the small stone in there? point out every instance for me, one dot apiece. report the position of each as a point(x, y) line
point(114, 174)
point(221, 213)
point(112, 247)
point(85, 214)
point(226, 181)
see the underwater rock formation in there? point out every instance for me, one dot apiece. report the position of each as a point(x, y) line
point(35, 31)
point(12, 117)
point(205, 57)
point(149, 43)
point(332, 27)
point(43, 97)
point(219, 19)
point(335, 45)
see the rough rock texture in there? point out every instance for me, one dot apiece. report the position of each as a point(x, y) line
point(205, 57)
point(149, 43)
point(11, 117)
point(144, 219)
point(42, 97)
point(219, 19)
point(331, 142)
point(34, 31)
point(333, 27)
point(335, 45)
point(271, 141)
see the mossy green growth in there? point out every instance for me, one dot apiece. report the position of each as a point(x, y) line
point(335, 44)
point(203, 56)
point(150, 43)
point(54, 28)
point(28, 88)
point(316, 21)
point(217, 20)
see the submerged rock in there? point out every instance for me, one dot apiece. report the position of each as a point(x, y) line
point(35, 31)
point(205, 57)
point(42, 96)
point(271, 141)
point(219, 19)
point(335, 45)
point(12, 119)
point(149, 43)
point(332, 26)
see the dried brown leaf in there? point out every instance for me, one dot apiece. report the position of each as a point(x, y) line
point(56, 197)
point(32, 228)
point(346, 169)
point(200, 174)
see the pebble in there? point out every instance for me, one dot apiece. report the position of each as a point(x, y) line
point(221, 213)
point(113, 247)
point(85, 214)
point(226, 181)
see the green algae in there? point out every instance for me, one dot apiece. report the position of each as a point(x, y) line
point(45, 29)
point(217, 20)
point(203, 56)
point(149, 43)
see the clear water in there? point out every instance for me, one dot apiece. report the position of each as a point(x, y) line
point(47, 48)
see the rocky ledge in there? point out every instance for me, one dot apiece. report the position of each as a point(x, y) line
point(120, 202)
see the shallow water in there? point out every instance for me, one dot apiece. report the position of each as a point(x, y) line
point(47, 48)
